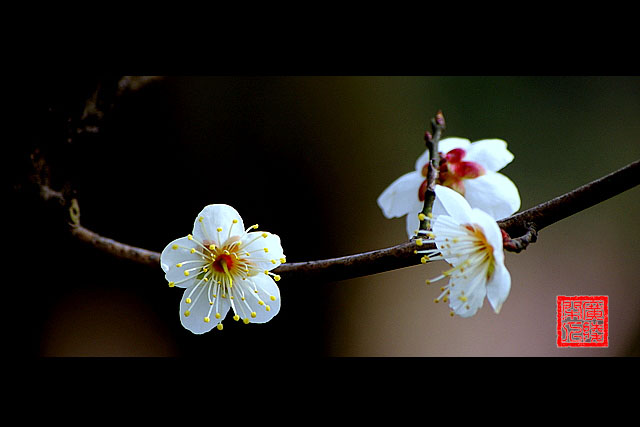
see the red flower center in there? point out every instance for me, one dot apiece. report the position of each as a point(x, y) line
point(452, 171)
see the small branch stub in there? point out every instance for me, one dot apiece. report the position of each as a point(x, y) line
point(432, 139)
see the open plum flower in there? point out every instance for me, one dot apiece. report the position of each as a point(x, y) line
point(224, 266)
point(471, 242)
point(469, 168)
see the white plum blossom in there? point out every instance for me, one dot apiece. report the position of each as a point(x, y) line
point(469, 168)
point(222, 266)
point(471, 242)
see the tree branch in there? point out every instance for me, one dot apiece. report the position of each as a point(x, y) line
point(525, 225)
point(528, 222)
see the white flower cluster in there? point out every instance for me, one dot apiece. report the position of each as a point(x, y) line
point(470, 196)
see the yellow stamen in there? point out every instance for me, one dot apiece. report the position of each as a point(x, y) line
point(226, 272)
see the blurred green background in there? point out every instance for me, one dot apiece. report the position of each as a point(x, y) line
point(306, 157)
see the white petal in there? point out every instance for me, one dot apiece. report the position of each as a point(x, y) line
point(169, 258)
point(400, 197)
point(214, 217)
point(449, 144)
point(492, 154)
point(421, 161)
point(255, 243)
point(494, 193)
point(200, 308)
point(412, 222)
point(474, 293)
point(498, 287)
point(453, 204)
point(266, 288)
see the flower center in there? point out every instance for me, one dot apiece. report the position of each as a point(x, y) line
point(483, 250)
point(452, 172)
point(228, 262)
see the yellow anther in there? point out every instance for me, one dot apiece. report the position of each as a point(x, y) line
point(174, 247)
point(186, 273)
point(424, 259)
point(206, 279)
point(415, 251)
point(219, 229)
point(254, 226)
point(172, 284)
point(254, 314)
point(272, 298)
point(283, 260)
point(190, 237)
point(187, 313)
point(419, 242)
point(422, 216)
point(212, 247)
point(260, 302)
point(456, 240)
point(265, 235)
point(236, 317)
point(266, 272)
point(452, 314)
point(428, 282)
point(205, 269)
point(273, 261)
point(266, 250)
point(218, 315)
point(462, 298)
point(245, 320)
point(267, 308)
point(179, 265)
point(242, 298)
point(436, 300)
point(200, 219)
point(192, 250)
point(226, 252)
point(207, 320)
point(246, 254)
point(219, 326)
point(188, 300)
point(276, 277)
point(235, 221)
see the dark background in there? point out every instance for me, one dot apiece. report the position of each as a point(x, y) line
point(306, 158)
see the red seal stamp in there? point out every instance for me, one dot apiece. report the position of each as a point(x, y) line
point(582, 321)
